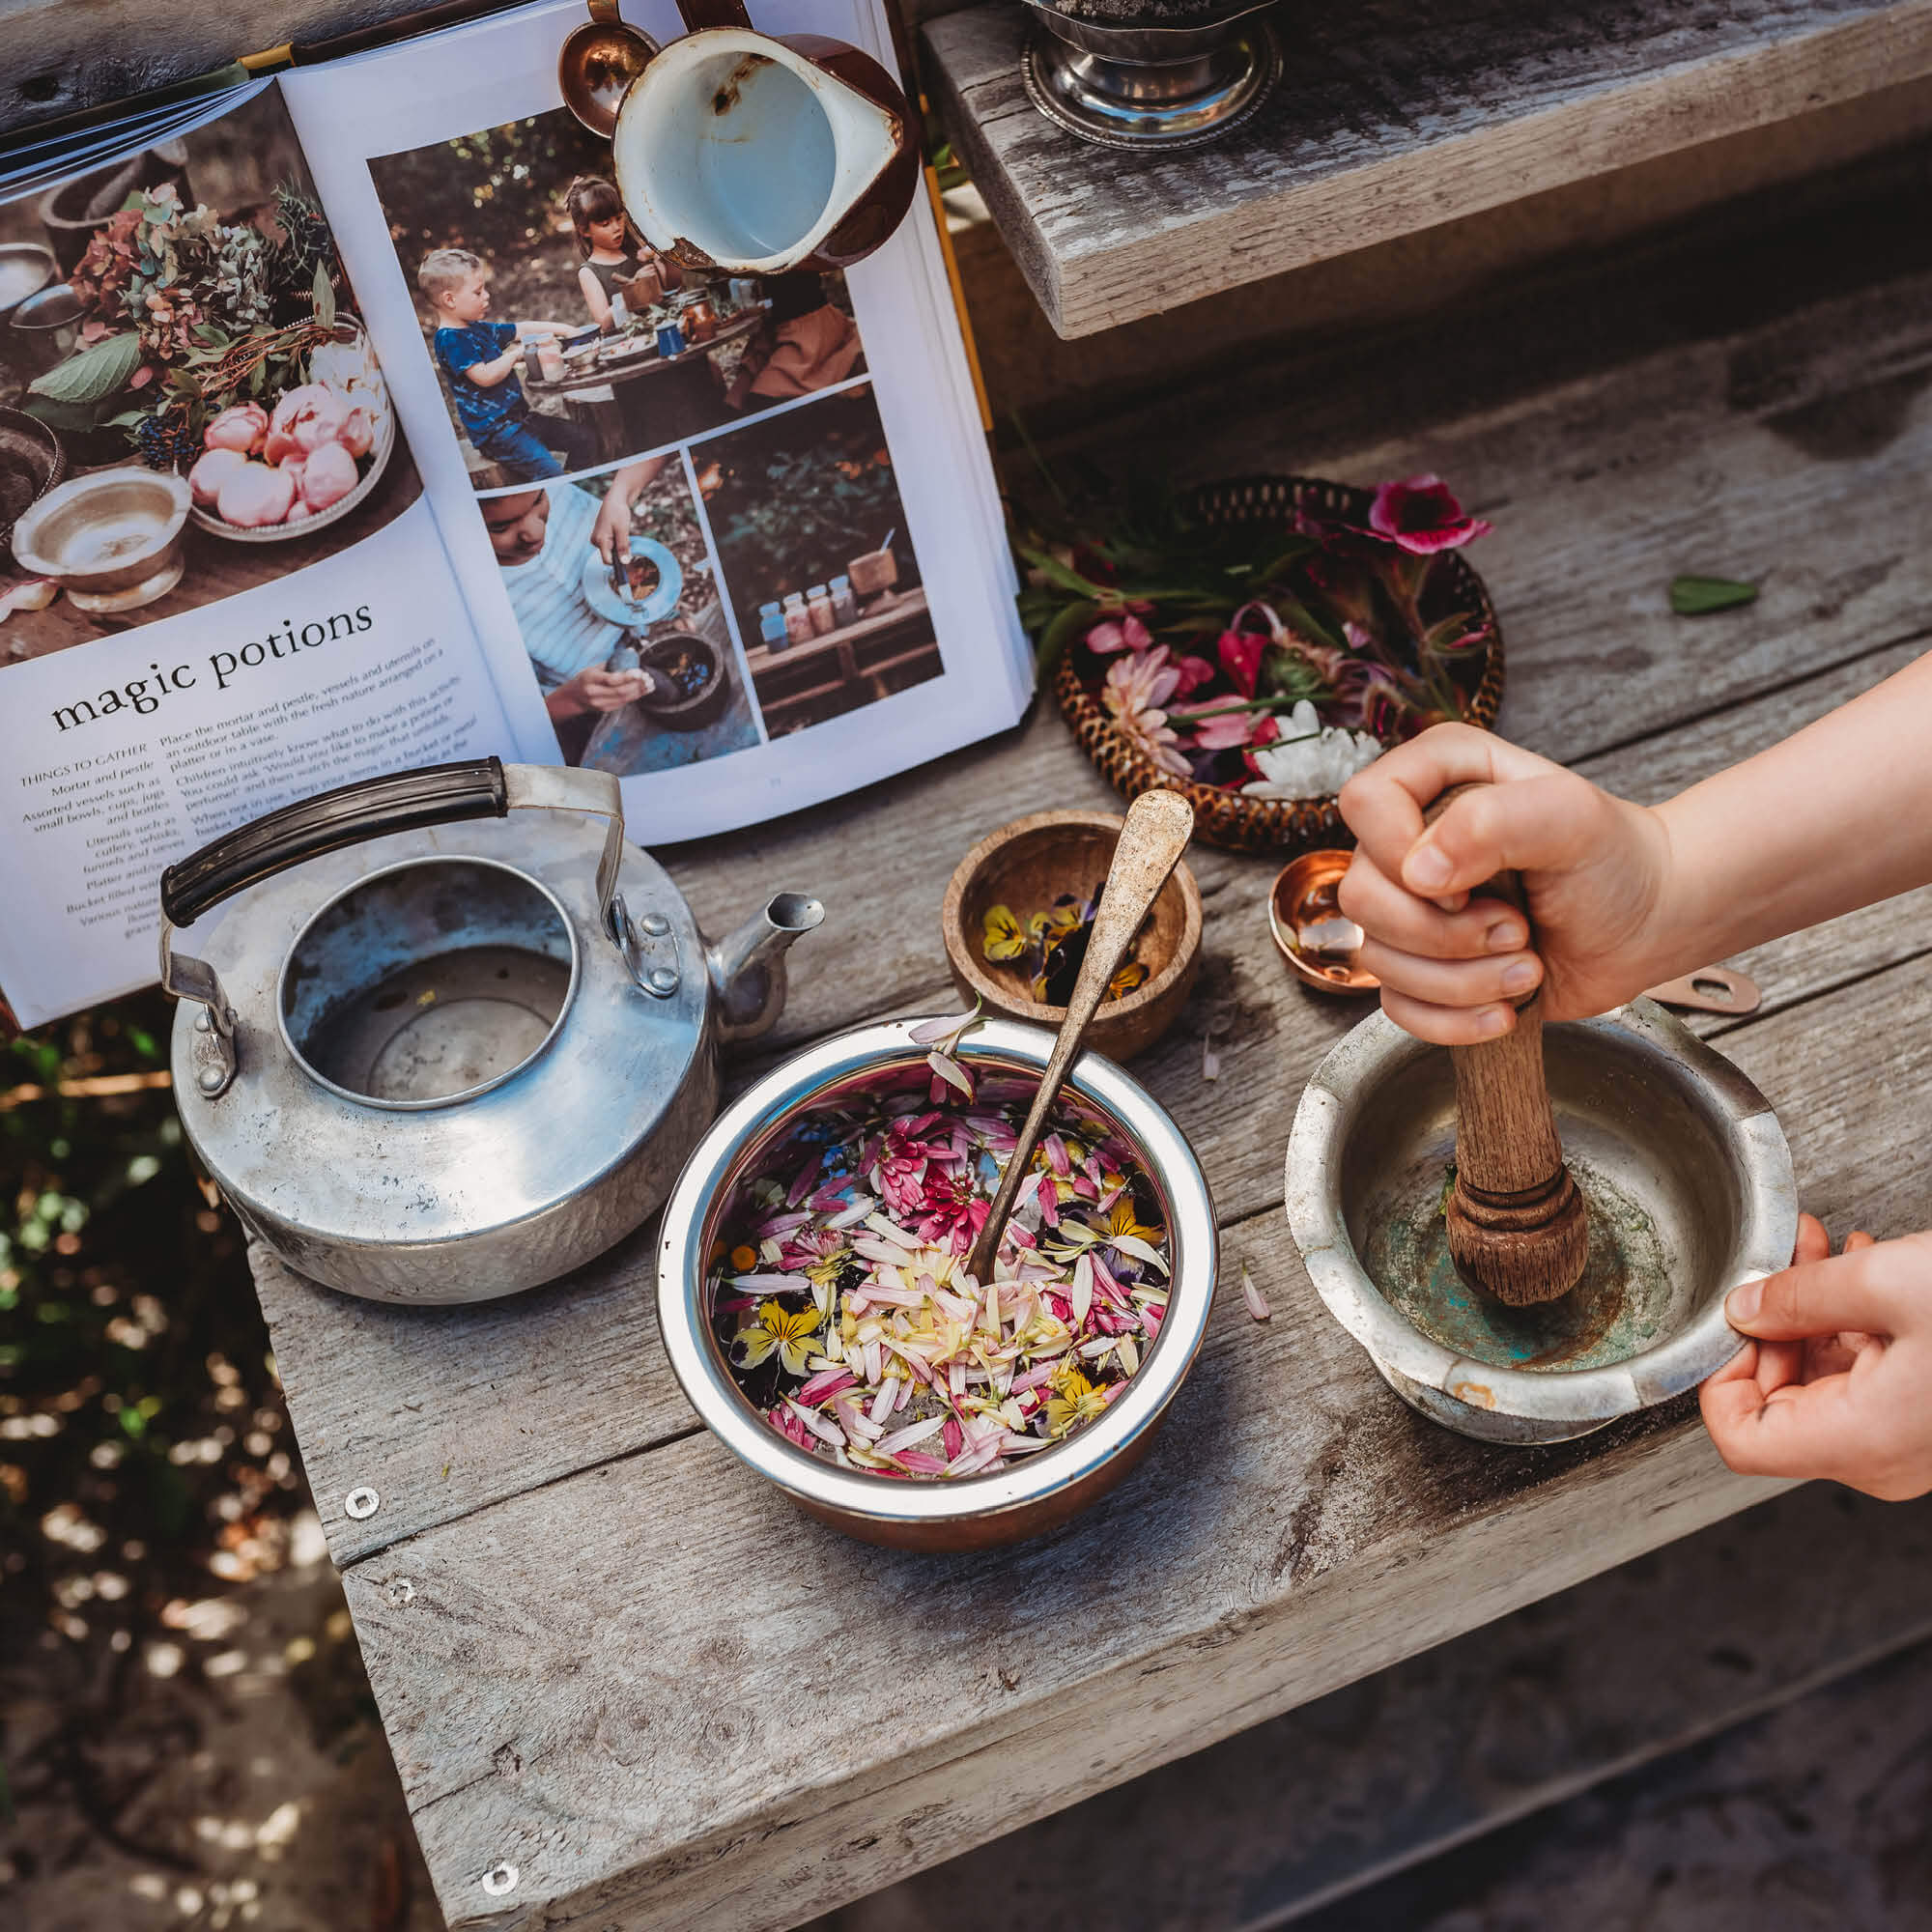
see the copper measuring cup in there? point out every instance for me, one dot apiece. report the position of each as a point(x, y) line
point(598, 62)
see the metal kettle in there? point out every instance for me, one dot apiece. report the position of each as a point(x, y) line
point(467, 1043)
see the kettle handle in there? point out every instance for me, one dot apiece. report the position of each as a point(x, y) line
point(348, 815)
point(397, 802)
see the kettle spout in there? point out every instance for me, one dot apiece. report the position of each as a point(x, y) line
point(748, 967)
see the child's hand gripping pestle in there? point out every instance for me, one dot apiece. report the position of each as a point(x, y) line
point(1517, 1223)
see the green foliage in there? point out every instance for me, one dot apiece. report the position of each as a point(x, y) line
point(93, 373)
point(496, 192)
point(1698, 596)
point(143, 1440)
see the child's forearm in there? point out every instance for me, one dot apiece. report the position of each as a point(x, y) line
point(487, 375)
point(1835, 817)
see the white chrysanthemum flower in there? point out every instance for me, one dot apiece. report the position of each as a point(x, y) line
point(1310, 760)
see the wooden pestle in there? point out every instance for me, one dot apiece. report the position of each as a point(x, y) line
point(1516, 1224)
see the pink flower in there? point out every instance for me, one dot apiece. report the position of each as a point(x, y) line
point(903, 1163)
point(212, 468)
point(1420, 516)
point(1194, 673)
point(1240, 654)
point(255, 496)
point(786, 1423)
point(357, 435)
point(954, 1213)
point(305, 419)
point(240, 428)
point(1225, 723)
point(1128, 635)
point(328, 476)
point(1135, 691)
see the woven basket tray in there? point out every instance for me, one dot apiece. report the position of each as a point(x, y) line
point(1226, 819)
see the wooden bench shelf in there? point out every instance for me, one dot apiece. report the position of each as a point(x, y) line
point(600, 1648)
point(1389, 119)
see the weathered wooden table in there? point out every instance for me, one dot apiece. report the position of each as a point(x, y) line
point(628, 1687)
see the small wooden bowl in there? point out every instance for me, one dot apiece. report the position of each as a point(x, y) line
point(1028, 864)
point(1303, 893)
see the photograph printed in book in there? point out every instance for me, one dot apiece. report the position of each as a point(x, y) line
point(817, 561)
point(564, 342)
point(615, 594)
point(190, 407)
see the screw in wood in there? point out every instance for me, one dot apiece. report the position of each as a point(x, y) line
point(362, 1503)
point(499, 1880)
point(401, 1591)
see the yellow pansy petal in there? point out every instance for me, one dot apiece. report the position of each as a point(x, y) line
point(753, 1345)
point(1003, 938)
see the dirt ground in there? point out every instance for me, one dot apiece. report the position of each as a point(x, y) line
point(234, 1775)
point(230, 1775)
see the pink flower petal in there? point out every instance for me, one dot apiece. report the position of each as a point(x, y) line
point(827, 1384)
point(929, 1033)
point(1240, 654)
point(1257, 1303)
point(951, 1071)
point(826, 1432)
point(915, 1432)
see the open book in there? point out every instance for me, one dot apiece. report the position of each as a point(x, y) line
point(345, 427)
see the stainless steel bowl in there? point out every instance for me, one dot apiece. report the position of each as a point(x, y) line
point(1690, 1191)
point(111, 539)
point(969, 1512)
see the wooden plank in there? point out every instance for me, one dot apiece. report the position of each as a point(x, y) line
point(556, 1699)
point(590, 1368)
point(1742, 456)
point(1660, 254)
point(1311, 1806)
point(1385, 124)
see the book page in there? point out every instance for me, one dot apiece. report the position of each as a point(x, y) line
point(222, 587)
point(735, 540)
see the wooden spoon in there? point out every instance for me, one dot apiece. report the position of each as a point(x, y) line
point(1517, 1225)
point(1158, 827)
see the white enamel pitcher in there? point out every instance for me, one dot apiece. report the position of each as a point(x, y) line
point(757, 154)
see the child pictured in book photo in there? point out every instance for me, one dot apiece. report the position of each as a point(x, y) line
point(620, 274)
point(478, 358)
point(813, 541)
point(186, 384)
point(655, 353)
point(614, 592)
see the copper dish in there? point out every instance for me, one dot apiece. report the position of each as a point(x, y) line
point(970, 1512)
point(1309, 929)
point(1227, 818)
point(1029, 864)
